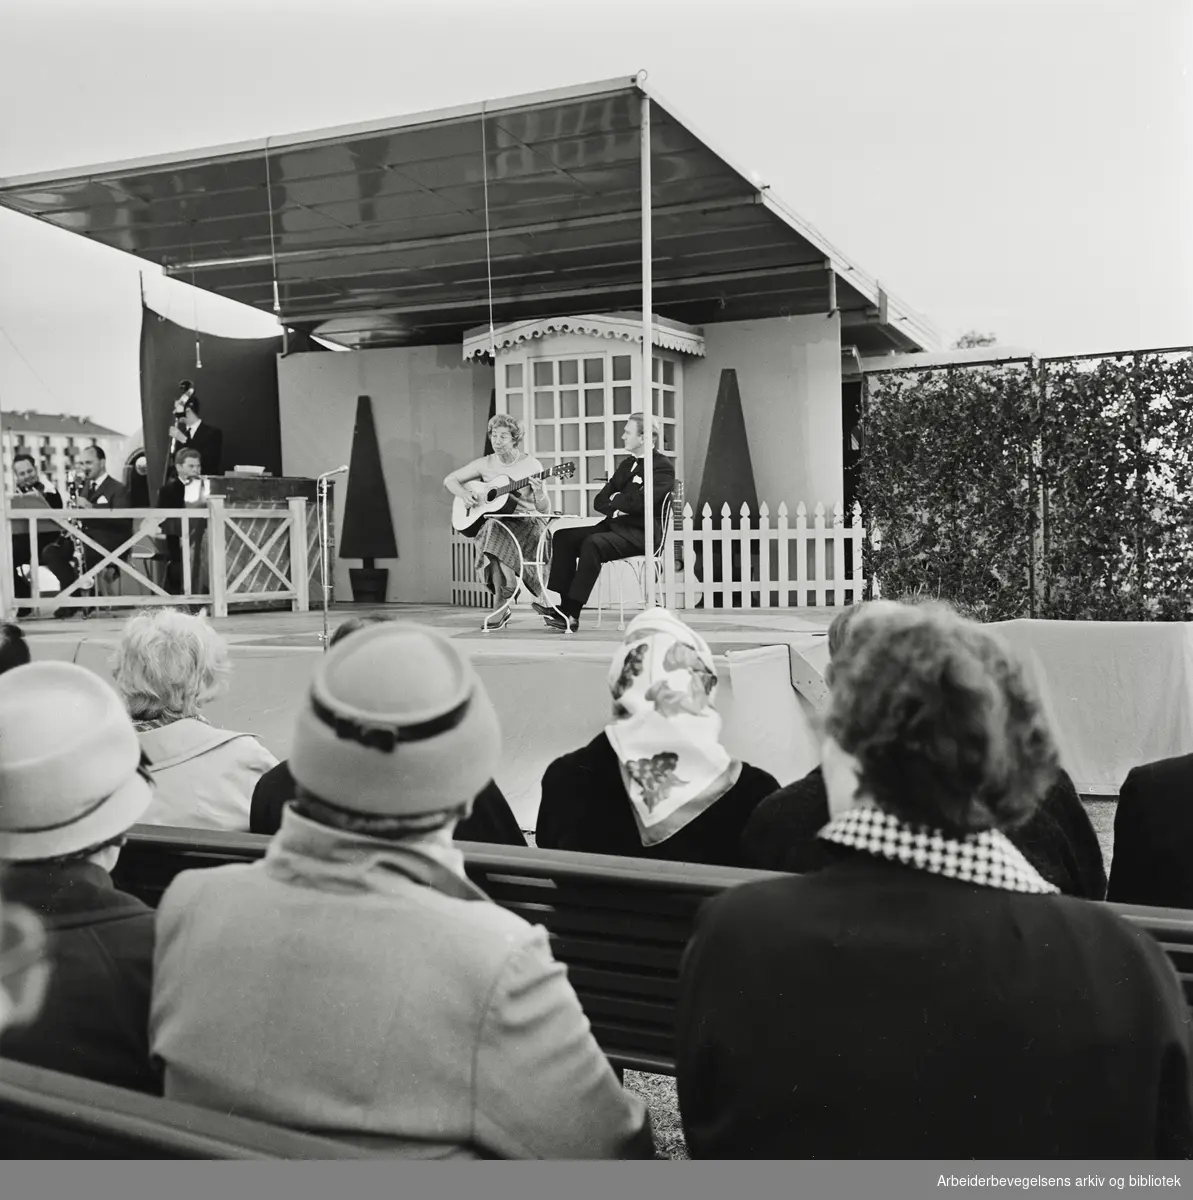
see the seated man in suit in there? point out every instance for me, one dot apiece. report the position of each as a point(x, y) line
point(52, 551)
point(1153, 836)
point(577, 553)
point(102, 491)
point(190, 430)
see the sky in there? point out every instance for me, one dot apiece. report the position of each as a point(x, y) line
point(1020, 168)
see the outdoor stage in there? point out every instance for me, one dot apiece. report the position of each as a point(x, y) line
point(549, 688)
point(1118, 694)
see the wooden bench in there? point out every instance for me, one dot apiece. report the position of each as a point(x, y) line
point(620, 925)
point(47, 1115)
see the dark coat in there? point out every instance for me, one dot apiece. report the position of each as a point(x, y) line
point(1059, 840)
point(108, 533)
point(1153, 836)
point(585, 808)
point(876, 1011)
point(209, 441)
point(628, 498)
point(94, 1021)
point(491, 819)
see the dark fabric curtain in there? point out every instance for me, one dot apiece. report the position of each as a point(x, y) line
point(237, 386)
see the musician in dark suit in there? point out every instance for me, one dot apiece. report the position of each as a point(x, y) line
point(185, 489)
point(52, 550)
point(190, 430)
point(577, 553)
point(101, 491)
point(1153, 836)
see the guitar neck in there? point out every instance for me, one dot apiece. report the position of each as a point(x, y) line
point(517, 484)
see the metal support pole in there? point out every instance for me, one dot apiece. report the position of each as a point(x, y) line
point(8, 609)
point(322, 495)
point(647, 357)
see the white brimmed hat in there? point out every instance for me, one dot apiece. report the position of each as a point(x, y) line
point(69, 759)
point(397, 723)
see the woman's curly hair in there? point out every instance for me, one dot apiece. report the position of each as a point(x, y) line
point(946, 728)
point(505, 421)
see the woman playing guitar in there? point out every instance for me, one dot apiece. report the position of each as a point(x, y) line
point(505, 547)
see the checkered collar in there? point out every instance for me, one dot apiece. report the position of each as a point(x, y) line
point(987, 859)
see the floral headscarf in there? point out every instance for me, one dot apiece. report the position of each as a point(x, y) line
point(666, 731)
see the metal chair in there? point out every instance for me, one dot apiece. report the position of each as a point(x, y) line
point(637, 564)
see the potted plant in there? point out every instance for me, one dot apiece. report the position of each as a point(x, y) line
point(368, 532)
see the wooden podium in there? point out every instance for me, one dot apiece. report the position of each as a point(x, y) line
point(267, 492)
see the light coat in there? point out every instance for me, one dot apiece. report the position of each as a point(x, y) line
point(203, 778)
point(328, 988)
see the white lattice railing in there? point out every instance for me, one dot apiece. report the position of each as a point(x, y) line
point(741, 561)
point(249, 554)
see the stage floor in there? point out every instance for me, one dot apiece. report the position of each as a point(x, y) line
point(723, 629)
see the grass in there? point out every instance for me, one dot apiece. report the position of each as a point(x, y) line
point(659, 1093)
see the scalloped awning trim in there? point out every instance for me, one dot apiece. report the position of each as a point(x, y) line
point(667, 335)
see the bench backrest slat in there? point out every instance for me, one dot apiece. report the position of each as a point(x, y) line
point(45, 1114)
point(619, 925)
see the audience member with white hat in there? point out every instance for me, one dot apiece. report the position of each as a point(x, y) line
point(71, 785)
point(354, 982)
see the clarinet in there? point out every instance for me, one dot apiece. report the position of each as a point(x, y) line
point(72, 501)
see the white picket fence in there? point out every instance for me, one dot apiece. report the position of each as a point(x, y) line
point(741, 562)
point(757, 563)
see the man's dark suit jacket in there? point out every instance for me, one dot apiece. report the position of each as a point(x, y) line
point(629, 498)
point(209, 441)
point(108, 533)
point(173, 495)
point(875, 1011)
point(1153, 836)
point(1059, 840)
point(491, 819)
point(94, 1021)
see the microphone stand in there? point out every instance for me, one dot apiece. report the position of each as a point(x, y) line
point(322, 486)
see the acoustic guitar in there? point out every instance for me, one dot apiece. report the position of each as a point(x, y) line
point(496, 496)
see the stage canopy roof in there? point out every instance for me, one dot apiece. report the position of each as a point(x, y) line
point(376, 233)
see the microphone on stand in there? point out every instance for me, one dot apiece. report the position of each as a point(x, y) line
point(324, 538)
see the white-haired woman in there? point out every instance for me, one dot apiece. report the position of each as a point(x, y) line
point(168, 665)
point(505, 547)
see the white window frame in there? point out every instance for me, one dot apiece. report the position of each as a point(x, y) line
point(613, 423)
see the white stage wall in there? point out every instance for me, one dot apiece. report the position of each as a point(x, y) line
point(1117, 695)
point(430, 410)
point(789, 376)
point(548, 703)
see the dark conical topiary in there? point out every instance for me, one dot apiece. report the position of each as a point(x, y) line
point(368, 532)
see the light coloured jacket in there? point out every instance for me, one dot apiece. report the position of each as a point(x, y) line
point(203, 778)
point(324, 989)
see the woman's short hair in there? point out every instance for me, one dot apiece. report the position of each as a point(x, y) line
point(505, 421)
point(941, 718)
point(169, 664)
point(14, 650)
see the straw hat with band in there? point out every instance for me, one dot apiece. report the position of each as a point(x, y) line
point(69, 763)
point(397, 724)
